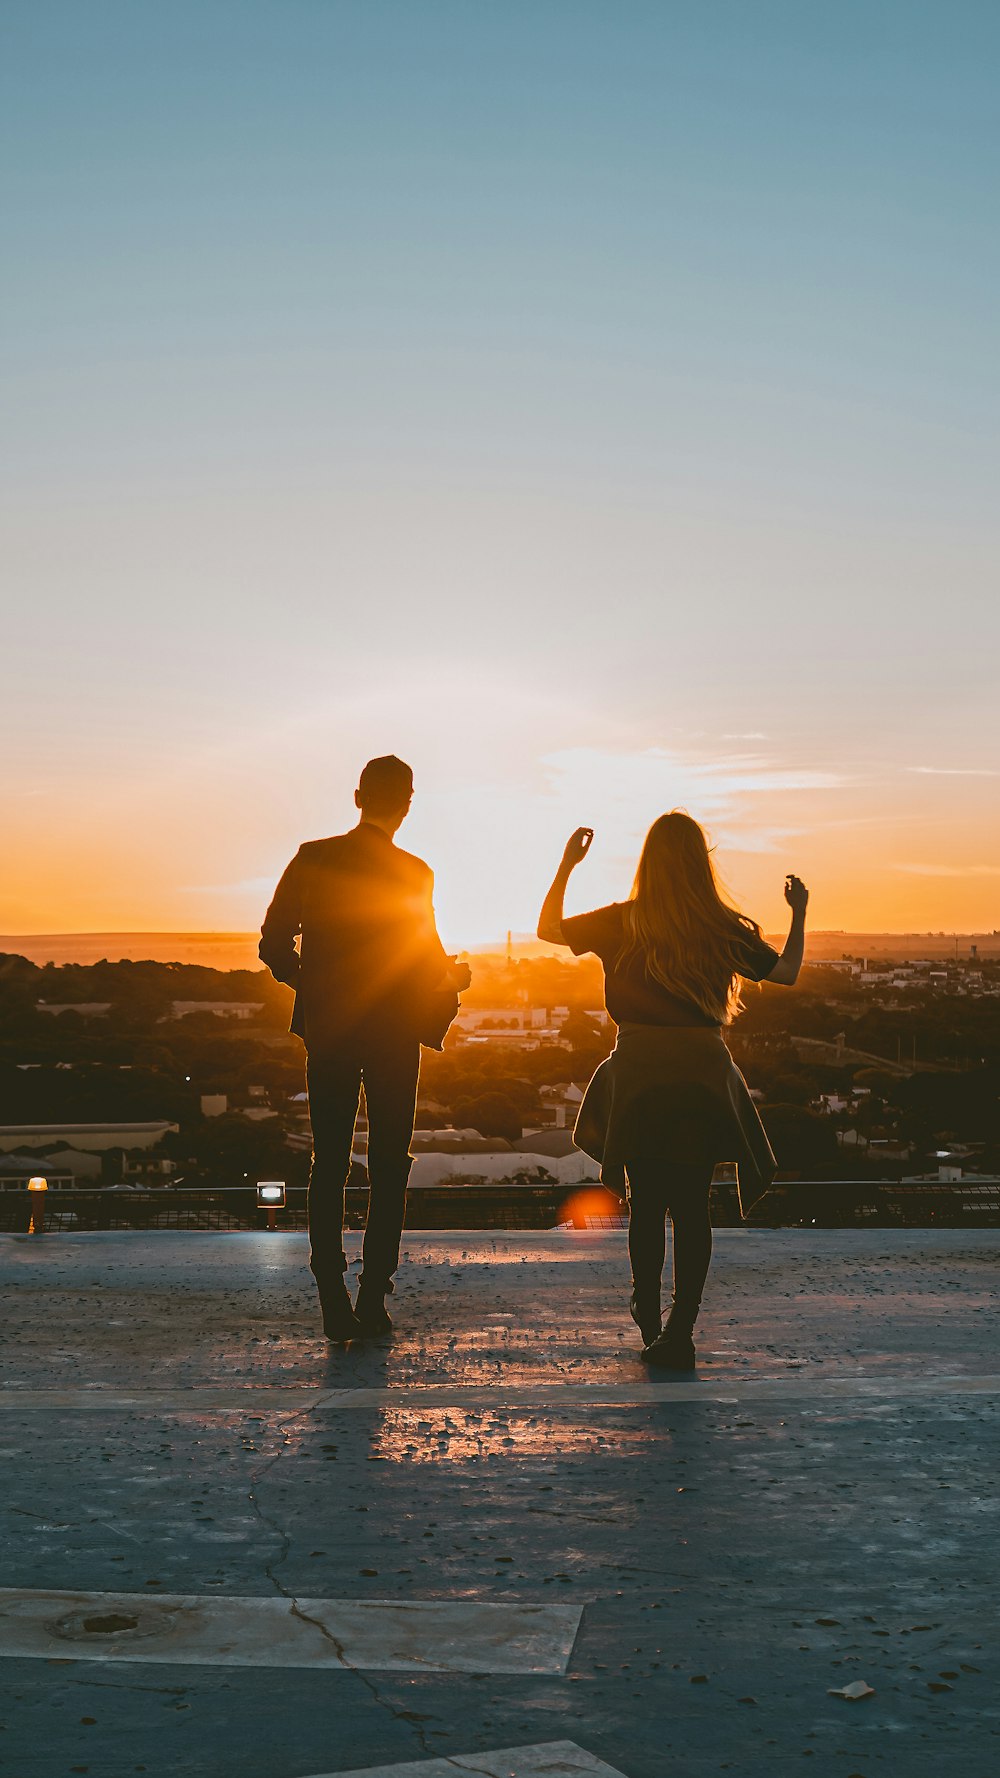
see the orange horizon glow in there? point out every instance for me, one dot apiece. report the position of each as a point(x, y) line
point(922, 903)
point(150, 852)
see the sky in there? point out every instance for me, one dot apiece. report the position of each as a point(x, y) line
point(595, 404)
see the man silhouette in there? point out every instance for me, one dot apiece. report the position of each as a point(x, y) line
point(368, 967)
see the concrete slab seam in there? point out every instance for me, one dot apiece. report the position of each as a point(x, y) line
point(414, 1636)
point(542, 1759)
point(299, 1401)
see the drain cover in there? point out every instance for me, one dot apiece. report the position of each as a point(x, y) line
point(97, 1626)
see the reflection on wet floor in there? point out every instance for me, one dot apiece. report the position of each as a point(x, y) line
point(461, 1436)
point(509, 1249)
point(515, 1309)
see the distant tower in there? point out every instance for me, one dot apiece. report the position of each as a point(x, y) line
point(974, 952)
point(510, 951)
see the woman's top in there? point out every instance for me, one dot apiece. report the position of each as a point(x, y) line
point(631, 994)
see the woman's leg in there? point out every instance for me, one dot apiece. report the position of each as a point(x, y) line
point(647, 1229)
point(690, 1215)
point(647, 1245)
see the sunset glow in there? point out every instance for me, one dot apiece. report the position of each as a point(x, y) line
point(594, 447)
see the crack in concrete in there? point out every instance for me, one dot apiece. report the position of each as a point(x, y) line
point(285, 1541)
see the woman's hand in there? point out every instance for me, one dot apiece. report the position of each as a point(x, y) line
point(577, 847)
point(551, 917)
point(796, 894)
point(458, 975)
point(786, 970)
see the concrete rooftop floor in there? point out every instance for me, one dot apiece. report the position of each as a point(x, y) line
point(714, 1557)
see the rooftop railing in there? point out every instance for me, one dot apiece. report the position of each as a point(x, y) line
point(464, 1205)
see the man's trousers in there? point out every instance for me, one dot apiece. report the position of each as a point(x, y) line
point(387, 1065)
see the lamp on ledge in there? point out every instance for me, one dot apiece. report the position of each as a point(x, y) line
point(271, 1197)
point(38, 1186)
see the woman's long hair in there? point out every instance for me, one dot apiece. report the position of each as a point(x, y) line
point(691, 940)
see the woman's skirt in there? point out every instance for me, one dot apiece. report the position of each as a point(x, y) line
point(672, 1096)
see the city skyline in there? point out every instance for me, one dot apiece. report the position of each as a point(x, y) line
point(596, 408)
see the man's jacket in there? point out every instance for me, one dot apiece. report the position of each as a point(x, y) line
point(369, 957)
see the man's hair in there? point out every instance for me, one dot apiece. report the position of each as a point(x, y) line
point(385, 784)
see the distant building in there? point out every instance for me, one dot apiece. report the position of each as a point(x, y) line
point(17, 1169)
point(222, 1009)
point(552, 1142)
point(442, 1157)
point(473, 1167)
point(451, 1141)
point(87, 1009)
point(564, 1101)
point(80, 1163)
point(89, 1138)
point(514, 1027)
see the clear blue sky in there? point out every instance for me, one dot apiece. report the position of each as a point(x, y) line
point(597, 402)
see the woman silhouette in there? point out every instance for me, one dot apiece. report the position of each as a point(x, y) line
point(670, 1103)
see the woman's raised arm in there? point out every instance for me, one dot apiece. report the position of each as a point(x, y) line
point(550, 919)
point(786, 971)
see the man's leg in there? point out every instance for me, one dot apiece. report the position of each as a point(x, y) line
point(334, 1083)
point(391, 1068)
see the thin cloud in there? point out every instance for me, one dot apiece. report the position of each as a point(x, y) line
point(710, 787)
point(949, 870)
point(954, 771)
point(623, 792)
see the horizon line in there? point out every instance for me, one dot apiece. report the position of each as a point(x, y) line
point(243, 934)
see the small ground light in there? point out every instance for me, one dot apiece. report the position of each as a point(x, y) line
point(271, 1197)
point(36, 1224)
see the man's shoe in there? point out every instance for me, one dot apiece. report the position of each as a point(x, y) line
point(371, 1313)
point(646, 1313)
point(339, 1320)
point(671, 1351)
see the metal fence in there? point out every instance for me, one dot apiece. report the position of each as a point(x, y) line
point(791, 1203)
point(884, 1203)
point(236, 1207)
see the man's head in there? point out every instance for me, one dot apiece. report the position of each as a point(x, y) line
point(385, 791)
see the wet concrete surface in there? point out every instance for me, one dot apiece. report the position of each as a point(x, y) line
point(817, 1507)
